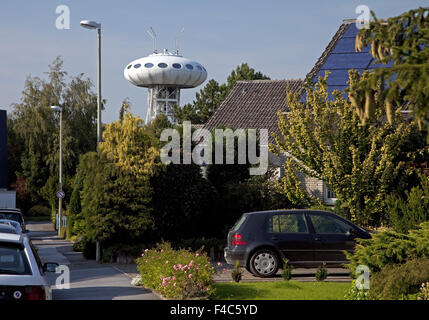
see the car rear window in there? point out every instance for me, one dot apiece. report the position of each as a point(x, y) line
point(7, 229)
point(239, 223)
point(11, 216)
point(287, 223)
point(13, 259)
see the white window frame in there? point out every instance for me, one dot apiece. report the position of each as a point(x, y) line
point(325, 196)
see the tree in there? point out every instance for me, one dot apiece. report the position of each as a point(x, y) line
point(115, 203)
point(402, 41)
point(116, 190)
point(73, 212)
point(242, 72)
point(129, 146)
point(361, 164)
point(34, 133)
point(211, 96)
point(184, 203)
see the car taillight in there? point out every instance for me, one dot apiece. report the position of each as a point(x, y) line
point(34, 293)
point(237, 240)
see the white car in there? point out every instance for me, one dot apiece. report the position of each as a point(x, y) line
point(22, 276)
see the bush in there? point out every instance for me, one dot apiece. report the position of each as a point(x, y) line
point(402, 281)
point(86, 247)
point(63, 232)
point(356, 294)
point(424, 292)
point(202, 245)
point(236, 273)
point(287, 270)
point(176, 274)
point(390, 247)
point(322, 272)
point(406, 214)
point(110, 253)
point(39, 211)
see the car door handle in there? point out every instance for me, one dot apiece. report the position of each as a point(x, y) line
point(317, 239)
point(275, 238)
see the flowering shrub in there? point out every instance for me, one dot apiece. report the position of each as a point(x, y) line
point(178, 274)
point(424, 292)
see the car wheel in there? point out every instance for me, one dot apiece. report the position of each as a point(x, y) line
point(264, 263)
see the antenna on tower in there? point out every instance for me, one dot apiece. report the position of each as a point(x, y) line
point(152, 34)
point(176, 42)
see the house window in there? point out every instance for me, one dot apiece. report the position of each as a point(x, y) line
point(329, 196)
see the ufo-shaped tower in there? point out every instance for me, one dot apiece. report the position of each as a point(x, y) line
point(164, 74)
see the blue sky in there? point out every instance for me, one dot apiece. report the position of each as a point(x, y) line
point(283, 39)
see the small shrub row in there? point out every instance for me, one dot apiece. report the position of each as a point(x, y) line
point(176, 274)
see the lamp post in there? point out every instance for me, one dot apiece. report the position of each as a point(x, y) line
point(94, 25)
point(60, 199)
point(88, 24)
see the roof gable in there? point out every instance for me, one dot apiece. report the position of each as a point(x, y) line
point(340, 56)
point(253, 105)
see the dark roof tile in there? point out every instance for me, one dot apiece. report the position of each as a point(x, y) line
point(253, 105)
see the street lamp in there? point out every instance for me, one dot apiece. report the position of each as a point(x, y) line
point(60, 198)
point(94, 25)
point(88, 24)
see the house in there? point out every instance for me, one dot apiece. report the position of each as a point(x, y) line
point(254, 104)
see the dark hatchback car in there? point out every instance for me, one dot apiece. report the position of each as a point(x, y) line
point(260, 241)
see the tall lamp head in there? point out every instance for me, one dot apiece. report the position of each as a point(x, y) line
point(88, 24)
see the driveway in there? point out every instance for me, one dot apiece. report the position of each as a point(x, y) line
point(89, 280)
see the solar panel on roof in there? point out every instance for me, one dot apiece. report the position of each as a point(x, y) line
point(351, 31)
point(347, 61)
point(347, 45)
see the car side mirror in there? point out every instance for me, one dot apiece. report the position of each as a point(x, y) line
point(352, 232)
point(50, 266)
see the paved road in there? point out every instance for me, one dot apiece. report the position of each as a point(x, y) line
point(89, 280)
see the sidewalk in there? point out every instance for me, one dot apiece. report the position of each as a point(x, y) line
point(89, 280)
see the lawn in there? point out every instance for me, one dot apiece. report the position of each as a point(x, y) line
point(280, 290)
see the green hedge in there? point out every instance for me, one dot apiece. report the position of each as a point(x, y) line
point(39, 211)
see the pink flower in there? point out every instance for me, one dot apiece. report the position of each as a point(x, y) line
point(147, 250)
point(166, 262)
point(162, 250)
point(174, 278)
point(197, 254)
point(219, 264)
point(174, 284)
point(142, 254)
point(190, 276)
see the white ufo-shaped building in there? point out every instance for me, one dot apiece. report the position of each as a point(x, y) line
point(164, 74)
